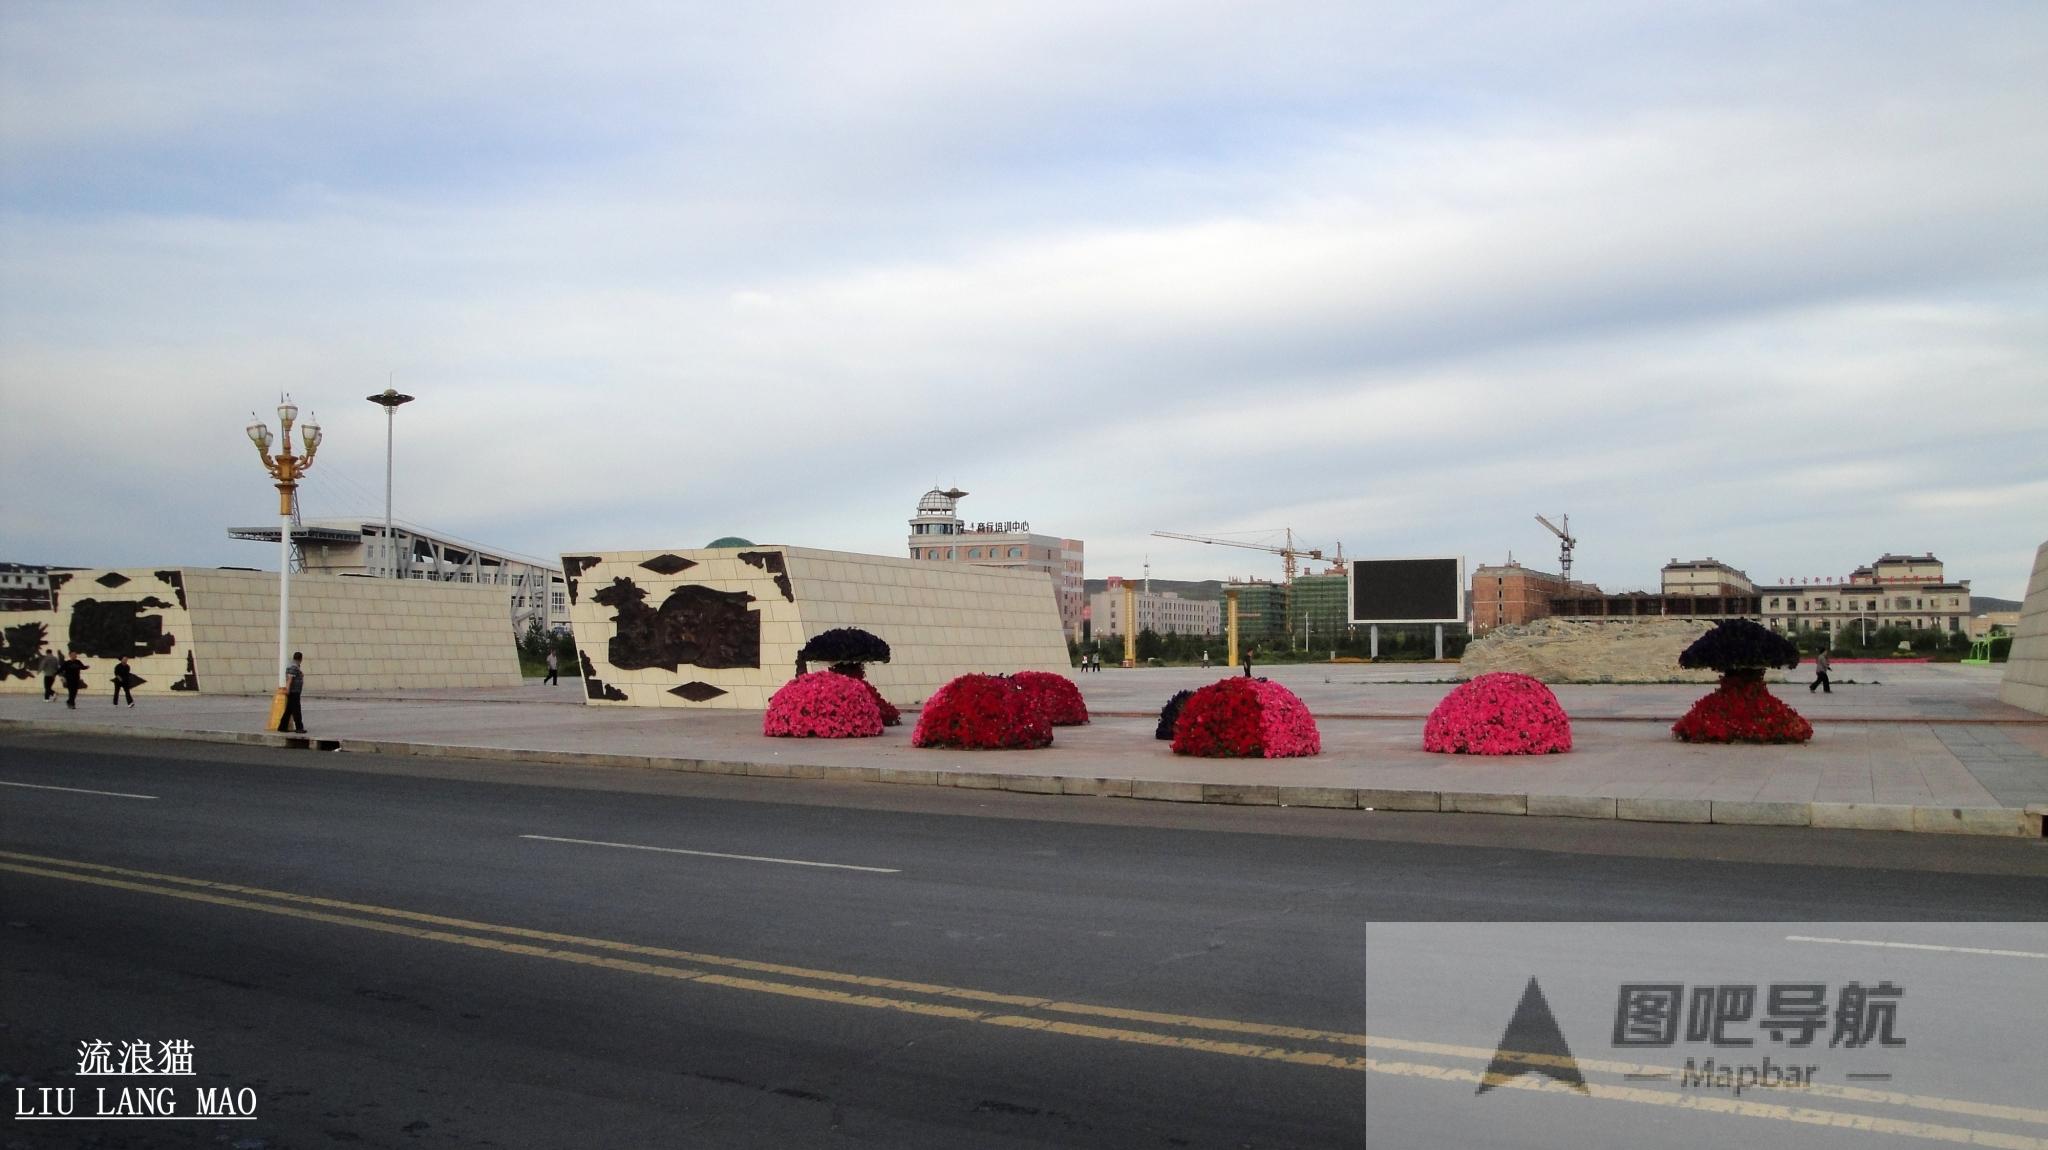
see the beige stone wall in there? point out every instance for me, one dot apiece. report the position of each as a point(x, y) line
point(2026, 674)
point(159, 608)
point(939, 619)
point(357, 634)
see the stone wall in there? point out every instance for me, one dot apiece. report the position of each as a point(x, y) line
point(721, 627)
point(1565, 651)
point(2026, 673)
point(215, 631)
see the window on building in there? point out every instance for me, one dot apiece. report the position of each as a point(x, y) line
point(560, 600)
point(974, 552)
point(1016, 553)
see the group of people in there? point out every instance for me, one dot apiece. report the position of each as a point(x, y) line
point(70, 668)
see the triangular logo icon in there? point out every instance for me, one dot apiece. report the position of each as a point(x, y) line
point(1532, 1043)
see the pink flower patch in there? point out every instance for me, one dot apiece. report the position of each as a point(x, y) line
point(1245, 718)
point(822, 705)
point(1498, 714)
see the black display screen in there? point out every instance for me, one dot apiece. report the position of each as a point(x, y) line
point(1407, 591)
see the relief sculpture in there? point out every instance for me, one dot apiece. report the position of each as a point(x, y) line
point(695, 625)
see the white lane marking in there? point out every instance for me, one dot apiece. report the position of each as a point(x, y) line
point(1916, 946)
point(715, 854)
point(78, 791)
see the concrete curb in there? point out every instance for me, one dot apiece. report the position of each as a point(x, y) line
point(2006, 822)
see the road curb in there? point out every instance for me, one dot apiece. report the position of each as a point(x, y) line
point(2005, 822)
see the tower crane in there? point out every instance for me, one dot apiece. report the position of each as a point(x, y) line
point(1288, 554)
point(1565, 542)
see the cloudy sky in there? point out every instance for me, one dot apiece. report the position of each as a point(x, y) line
point(1761, 281)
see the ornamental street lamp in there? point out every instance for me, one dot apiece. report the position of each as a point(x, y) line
point(285, 468)
point(390, 400)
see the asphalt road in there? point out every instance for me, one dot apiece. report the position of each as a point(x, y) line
point(439, 954)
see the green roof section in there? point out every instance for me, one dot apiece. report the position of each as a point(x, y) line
point(730, 541)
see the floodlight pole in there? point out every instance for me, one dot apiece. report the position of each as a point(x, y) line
point(390, 400)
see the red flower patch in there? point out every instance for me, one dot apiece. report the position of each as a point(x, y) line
point(1246, 719)
point(822, 705)
point(1742, 710)
point(1501, 713)
point(1056, 697)
point(981, 712)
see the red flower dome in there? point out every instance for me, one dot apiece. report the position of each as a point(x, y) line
point(1742, 710)
point(822, 705)
point(1056, 696)
point(1245, 718)
point(981, 712)
point(1501, 713)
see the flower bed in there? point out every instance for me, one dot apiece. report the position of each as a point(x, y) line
point(1245, 718)
point(981, 712)
point(1170, 714)
point(1742, 710)
point(1056, 697)
point(1500, 713)
point(822, 706)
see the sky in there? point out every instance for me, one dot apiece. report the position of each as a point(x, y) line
point(1765, 282)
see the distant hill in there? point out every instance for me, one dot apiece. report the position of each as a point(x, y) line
point(1979, 604)
point(1210, 589)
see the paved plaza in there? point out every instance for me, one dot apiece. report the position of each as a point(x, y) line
point(1909, 747)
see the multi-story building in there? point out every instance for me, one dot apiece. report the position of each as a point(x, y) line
point(25, 587)
point(1705, 577)
point(1511, 593)
point(1160, 612)
point(939, 535)
point(535, 589)
point(1261, 610)
point(1906, 591)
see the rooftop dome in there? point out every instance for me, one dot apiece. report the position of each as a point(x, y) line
point(937, 502)
point(730, 541)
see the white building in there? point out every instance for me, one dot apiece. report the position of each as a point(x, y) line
point(535, 589)
point(1161, 612)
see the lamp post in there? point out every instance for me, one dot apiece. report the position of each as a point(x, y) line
point(389, 399)
point(286, 469)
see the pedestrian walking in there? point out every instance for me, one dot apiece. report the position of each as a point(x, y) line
point(124, 682)
point(1247, 662)
point(74, 679)
point(294, 685)
point(1821, 663)
point(50, 665)
point(554, 669)
point(1205, 658)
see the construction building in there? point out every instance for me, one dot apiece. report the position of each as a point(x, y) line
point(535, 589)
point(939, 535)
point(1511, 593)
point(1261, 610)
point(1318, 607)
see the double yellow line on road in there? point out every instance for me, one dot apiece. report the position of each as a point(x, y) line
point(1301, 1046)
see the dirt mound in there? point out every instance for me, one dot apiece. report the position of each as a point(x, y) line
point(1560, 651)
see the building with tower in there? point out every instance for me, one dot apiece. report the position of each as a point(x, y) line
point(939, 535)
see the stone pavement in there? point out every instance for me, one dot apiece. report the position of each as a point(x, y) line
point(1922, 747)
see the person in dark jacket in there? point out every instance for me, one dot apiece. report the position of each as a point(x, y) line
point(124, 682)
point(74, 679)
point(294, 684)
